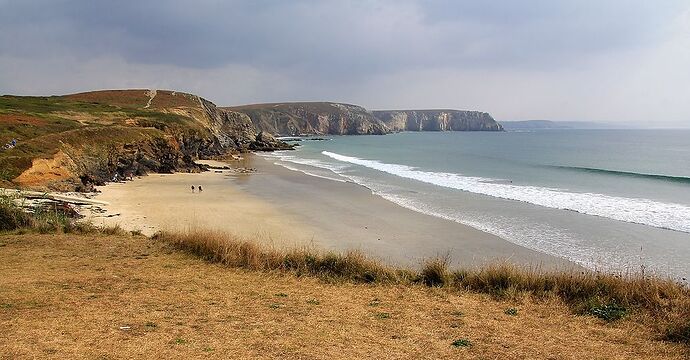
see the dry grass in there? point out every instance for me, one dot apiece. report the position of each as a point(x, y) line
point(661, 304)
point(107, 297)
point(234, 252)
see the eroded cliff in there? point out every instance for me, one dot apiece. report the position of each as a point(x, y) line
point(437, 120)
point(313, 118)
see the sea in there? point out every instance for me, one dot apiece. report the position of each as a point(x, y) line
point(609, 200)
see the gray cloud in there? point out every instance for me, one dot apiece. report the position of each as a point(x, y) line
point(551, 56)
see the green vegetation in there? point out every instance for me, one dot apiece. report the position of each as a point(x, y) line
point(461, 343)
point(511, 312)
point(383, 315)
point(83, 125)
point(43, 219)
point(608, 312)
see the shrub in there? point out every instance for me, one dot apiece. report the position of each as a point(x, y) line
point(679, 333)
point(12, 217)
point(608, 312)
point(511, 312)
point(461, 343)
point(435, 272)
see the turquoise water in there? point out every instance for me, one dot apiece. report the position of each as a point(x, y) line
point(606, 199)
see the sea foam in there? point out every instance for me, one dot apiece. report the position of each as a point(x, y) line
point(641, 211)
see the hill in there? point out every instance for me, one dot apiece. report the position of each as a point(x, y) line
point(74, 141)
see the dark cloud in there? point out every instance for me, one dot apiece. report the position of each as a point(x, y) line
point(325, 46)
point(318, 35)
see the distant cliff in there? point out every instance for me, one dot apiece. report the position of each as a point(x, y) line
point(314, 118)
point(323, 118)
point(437, 120)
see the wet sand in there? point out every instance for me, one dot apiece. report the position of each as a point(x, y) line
point(289, 208)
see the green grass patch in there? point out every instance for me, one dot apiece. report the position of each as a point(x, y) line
point(383, 315)
point(608, 312)
point(461, 343)
point(511, 312)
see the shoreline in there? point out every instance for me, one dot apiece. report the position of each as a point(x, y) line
point(285, 208)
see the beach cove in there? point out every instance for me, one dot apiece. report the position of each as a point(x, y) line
point(283, 208)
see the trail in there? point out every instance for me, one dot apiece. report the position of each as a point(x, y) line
point(151, 94)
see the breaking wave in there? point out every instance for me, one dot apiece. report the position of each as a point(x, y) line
point(641, 211)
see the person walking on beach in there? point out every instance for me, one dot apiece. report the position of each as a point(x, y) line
point(200, 189)
point(192, 189)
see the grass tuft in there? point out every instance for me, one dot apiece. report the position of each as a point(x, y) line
point(608, 312)
point(235, 252)
point(435, 272)
point(511, 312)
point(461, 343)
point(383, 315)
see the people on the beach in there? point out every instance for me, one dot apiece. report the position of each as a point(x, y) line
point(200, 189)
point(192, 189)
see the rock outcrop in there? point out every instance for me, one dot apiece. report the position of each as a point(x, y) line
point(312, 118)
point(437, 120)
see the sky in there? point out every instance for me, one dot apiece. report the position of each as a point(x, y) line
point(624, 61)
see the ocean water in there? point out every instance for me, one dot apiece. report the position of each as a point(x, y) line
point(615, 200)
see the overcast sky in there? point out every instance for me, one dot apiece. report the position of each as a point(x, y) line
point(596, 60)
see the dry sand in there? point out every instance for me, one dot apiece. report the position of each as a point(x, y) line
point(288, 208)
point(166, 202)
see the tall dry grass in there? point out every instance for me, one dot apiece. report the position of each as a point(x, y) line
point(235, 252)
point(662, 304)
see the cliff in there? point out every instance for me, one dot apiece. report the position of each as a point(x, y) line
point(437, 120)
point(314, 118)
point(326, 118)
point(75, 141)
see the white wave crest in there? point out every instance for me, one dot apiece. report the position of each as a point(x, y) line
point(640, 211)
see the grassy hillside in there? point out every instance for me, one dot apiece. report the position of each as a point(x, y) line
point(98, 296)
point(63, 140)
point(72, 290)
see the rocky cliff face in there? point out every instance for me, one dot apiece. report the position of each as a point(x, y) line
point(317, 118)
point(74, 141)
point(437, 120)
point(324, 118)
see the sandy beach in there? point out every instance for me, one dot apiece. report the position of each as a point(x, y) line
point(288, 208)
